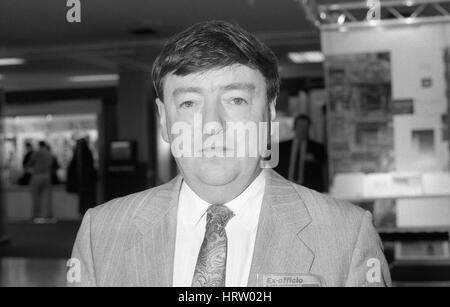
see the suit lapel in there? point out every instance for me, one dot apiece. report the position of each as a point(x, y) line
point(280, 246)
point(153, 245)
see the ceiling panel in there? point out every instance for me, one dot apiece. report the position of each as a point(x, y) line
point(43, 22)
point(103, 41)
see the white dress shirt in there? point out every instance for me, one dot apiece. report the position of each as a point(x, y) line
point(241, 233)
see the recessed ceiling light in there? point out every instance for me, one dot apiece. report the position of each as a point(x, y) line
point(143, 31)
point(334, 7)
point(306, 57)
point(94, 78)
point(11, 61)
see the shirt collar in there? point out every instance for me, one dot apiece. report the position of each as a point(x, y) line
point(255, 188)
point(198, 207)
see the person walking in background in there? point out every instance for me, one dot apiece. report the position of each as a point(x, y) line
point(26, 164)
point(82, 176)
point(29, 151)
point(55, 167)
point(41, 185)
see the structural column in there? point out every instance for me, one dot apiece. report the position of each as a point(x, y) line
point(3, 237)
point(447, 92)
point(136, 120)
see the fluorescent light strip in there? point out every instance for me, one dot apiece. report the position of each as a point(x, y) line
point(306, 57)
point(11, 61)
point(94, 78)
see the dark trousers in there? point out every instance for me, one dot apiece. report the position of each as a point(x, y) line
point(41, 191)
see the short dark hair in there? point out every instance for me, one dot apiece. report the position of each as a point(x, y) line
point(302, 117)
point(215, 44)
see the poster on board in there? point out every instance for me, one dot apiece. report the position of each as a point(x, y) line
point(360, 113)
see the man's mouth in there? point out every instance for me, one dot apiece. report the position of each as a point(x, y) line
point(215, 148)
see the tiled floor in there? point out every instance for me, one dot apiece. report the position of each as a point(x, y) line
point(26, 272)
point(29, 240)
point(36, 254)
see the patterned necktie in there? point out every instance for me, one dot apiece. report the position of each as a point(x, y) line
point(212, 258)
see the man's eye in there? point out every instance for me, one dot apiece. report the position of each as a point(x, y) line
point(187, 104)
point(238, 101)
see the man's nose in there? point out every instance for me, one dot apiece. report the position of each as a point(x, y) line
point(212, 113)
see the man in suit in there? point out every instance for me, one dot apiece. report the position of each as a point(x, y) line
point(303, 160)
point(224, 221)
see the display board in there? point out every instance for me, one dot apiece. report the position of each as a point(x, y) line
point(419, 105)
point(360, 113)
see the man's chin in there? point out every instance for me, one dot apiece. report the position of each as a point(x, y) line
point(217, 175)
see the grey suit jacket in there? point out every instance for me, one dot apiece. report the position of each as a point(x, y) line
point(130, 241)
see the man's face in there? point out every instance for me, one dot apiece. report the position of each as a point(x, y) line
point(234, 94)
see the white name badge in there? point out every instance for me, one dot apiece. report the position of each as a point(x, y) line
point(289, 280)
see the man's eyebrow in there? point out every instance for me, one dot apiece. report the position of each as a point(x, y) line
point(232, 86)
point(239, 86)
point(183, 90)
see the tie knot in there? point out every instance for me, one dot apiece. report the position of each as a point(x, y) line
point(218, 216)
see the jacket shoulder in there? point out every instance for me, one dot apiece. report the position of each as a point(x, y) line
point(342, 237)
point(326, 210)
point(120, 211)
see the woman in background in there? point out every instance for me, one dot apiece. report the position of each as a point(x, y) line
point(82, 176)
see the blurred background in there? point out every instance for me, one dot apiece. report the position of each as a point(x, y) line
point(365, 86)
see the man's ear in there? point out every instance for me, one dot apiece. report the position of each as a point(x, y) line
point(162, 120)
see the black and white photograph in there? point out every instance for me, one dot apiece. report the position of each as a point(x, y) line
point(227, 144)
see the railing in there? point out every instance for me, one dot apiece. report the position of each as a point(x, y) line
point(341, 15)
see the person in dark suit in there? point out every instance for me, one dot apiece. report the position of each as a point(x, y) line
point(303, 160)
point(82, 176)
point(224, 221)
point(26, 164)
